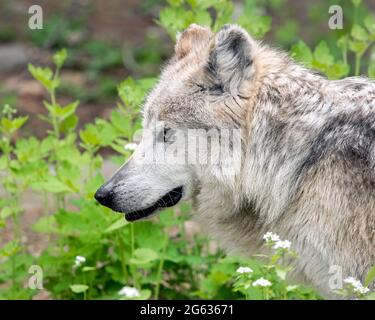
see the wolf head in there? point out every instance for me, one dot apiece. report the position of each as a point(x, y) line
point(200, 102)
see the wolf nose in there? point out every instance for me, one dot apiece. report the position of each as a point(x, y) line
point(104, 196)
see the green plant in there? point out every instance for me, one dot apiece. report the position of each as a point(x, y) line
point(93, 253)
point(359, 41)
point(66, 165)
point(179, 14)
point(12, 253)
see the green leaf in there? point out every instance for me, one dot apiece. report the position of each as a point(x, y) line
point(61, 112)
point(358, 47)
point(12, 125)
point(175, 19)
point(322, 55)
point(90, 135)
point(356, 3)
point(256, 25)
point(370, 24)
point(292, 288)
point(44, 76)
point(107, 132)
point(52, 185)
point(86, 269)
point(6, 212)
point(10, 249)
point(133, 92)
point(143, 256)
point(59, 57)
point(359, 33)
point(122, 123)
point(370, 276)
point(67, 111)
point(78, 288)
point(149, 235)
point(338, 70)
point(47, 144)
point(343, 43)
point(69, 123)
point(203, 18)
point(302, 53)
point(120, 223)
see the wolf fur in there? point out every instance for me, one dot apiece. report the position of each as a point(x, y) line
point(308, 152)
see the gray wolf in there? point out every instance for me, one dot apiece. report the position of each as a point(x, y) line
point(307, 166)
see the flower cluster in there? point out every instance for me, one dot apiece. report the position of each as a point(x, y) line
point(129, 292)
point(246, 279)
point(274, 240)
point(282, 244)
point(261, 282)
point(244, 270)
point(79, 260)
point(356, 285)
point(270, 236)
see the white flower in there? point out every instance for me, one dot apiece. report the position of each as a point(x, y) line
point(356, 285)
point(353, 281)
point(79, 260)
point(129, 292)
point(130, 146)
point(282, 244)
point(361, 290)
point(244, 270)
point(261, 282)
point(270, 236)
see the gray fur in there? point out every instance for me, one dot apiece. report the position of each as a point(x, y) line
point(308, 162)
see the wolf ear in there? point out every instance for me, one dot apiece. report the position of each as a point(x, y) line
point(230, 61)
point(193, 39)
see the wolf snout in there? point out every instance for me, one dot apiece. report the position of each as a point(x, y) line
point(104, 195)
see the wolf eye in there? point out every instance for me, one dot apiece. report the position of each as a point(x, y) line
point(217, 89)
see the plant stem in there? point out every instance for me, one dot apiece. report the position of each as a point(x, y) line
point(160, 268)
point(14, 200)
point(131, 239)
point(357, 64)
point(123, 260)
point(132, 268)
point(345, 56)
point(53, 102)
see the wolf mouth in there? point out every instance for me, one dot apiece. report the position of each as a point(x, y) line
point(168, 200)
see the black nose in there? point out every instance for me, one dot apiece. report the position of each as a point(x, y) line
point(104, 196)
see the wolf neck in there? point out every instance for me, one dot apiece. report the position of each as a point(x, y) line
point(276, 145)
